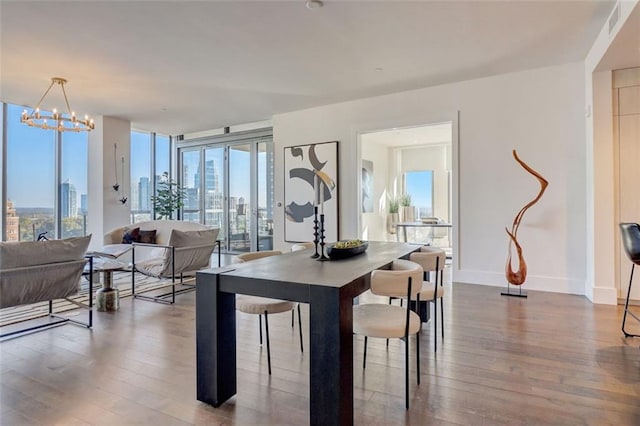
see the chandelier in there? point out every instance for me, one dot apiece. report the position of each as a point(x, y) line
point(62, 122)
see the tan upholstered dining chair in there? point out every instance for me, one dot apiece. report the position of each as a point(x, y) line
point(264, 306)
point(432, 260)
point(389, 321)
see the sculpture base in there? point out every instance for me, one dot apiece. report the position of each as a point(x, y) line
point(514, 293)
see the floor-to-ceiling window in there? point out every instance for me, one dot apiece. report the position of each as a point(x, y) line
point(228, 182)
point(140, 176)
point(73, 186)
point(46, 180)
point(150, 160)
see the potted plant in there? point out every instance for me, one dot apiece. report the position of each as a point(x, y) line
point(169, 197)
point(407, 212)
point(392, 216)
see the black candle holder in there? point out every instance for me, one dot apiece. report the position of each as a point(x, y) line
point(315, 232)
point(322, 243)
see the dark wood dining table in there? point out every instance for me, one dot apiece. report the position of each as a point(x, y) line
point(328, 287)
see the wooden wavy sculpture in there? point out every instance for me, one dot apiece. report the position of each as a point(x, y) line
point(518, 277)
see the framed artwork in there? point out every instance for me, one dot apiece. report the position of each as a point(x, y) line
point(367, 186)
point(310, 180)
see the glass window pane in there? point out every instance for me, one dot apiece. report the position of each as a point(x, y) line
point(73, 188)
point(239, 197)
point(190, 181)
point(140, 176)
point(31, 184)
point(214, 189)
point(162, 160)
point(419, 185)
point(265, 196)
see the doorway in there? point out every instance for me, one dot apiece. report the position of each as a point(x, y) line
point(407, 178)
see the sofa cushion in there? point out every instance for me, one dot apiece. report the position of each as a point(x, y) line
point(147, 237)
point(29, 253)
point(193, 238)
point(131, 236)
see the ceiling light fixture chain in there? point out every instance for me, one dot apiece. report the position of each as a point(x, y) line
point(62, 122)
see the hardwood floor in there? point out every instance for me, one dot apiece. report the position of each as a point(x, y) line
point(549, 359)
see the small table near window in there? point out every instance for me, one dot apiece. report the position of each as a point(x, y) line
point(105, 261)
point(405, 225)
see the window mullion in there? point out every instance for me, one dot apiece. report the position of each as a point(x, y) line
point(57, 211)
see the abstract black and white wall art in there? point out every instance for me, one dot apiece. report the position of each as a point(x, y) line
point(367, 186)
point(310, 179)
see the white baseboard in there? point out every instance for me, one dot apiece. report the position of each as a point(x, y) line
point(533, 282)
point(605, 295)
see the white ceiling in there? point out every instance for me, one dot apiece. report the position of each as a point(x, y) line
point(178, 66)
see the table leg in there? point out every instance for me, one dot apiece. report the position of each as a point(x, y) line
point(108, 297)
point(215, 341)
point(404, 228)
point(331, 360)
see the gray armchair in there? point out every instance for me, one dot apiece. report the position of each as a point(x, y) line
point(186, 252)
point(40, 271)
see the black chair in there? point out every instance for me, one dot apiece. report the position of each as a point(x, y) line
point(631, 242)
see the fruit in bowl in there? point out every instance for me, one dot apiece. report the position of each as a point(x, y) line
point(346, 248)
point(348, 244)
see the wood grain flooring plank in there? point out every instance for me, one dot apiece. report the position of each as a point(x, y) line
point(550, 359)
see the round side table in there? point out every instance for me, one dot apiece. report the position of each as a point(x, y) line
point(108, 297)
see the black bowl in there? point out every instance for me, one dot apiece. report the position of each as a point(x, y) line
point(343, 253)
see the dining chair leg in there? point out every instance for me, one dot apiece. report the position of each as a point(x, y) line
point(390, 303)
point(418, 355)
point(260, 325)
point(406, 371)
point(364, 360)
point(292, 315)
point(442, 317)
point(266, 327)
point(626, 306)
point(435, 325)
point(300, 327)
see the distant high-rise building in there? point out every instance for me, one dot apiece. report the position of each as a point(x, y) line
point(211, 179)
point(191, 200)
point(83, 204)
point(135, 199)
point(69, 200)
point(13, 223)
point(144, 194)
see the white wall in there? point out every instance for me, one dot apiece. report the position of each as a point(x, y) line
point(374, 224)
point(538, 112)
point(106, 212)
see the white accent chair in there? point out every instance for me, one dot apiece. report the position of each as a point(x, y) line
point(390, 321)
point(432, 260)
point(255, 305)
point(181, 248)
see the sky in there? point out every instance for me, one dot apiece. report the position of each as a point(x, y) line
point(420, 186)
point(31, 161)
